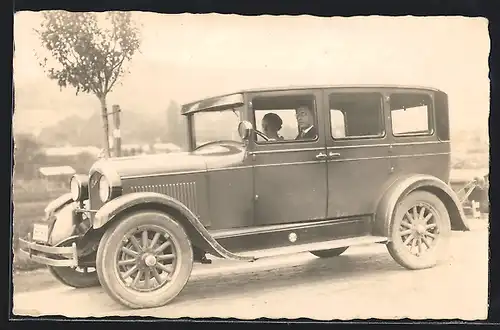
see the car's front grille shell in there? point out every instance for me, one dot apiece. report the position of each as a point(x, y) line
point(95, 202)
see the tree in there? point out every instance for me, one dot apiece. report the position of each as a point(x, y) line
point(88, 56)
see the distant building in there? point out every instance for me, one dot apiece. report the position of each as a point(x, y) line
point(71, 151)
point(52, 171)
point(60, 174)
point(131, 149)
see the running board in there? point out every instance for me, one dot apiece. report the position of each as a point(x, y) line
point(338, 243)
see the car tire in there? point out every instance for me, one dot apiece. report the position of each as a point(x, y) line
point(329, 253)
point(411, 230)
point(122, 253)
point(72, 277)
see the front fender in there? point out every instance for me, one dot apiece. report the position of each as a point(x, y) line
point(59, 215)
point(57, 203)
point(405, 185)
point(63, 224)
point(150, 200)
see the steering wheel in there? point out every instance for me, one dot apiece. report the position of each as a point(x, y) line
point(262, 135)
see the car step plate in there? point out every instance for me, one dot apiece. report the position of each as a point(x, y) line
point(364, 240)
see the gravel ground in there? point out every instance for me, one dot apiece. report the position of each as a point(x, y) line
point(362, 283)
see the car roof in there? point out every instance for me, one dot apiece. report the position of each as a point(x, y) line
point(309, 87)
point(381, 86)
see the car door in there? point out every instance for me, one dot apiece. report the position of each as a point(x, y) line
point(289, 174)
point(414, 136)
point(357, 148)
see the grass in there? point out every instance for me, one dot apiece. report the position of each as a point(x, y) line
point(37, 190)
point(24, 215)
point(30, 197)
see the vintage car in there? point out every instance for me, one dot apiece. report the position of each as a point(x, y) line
point(268, 172)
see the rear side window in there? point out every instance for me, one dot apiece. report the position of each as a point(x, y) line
point(411, 114)
point(356, 115)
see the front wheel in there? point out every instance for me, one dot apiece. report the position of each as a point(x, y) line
point(144, 260)
point(420, 231)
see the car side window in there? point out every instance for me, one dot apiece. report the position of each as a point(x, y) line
point(410, 114)
point(285, 118)
point(356, 115)
point(337, 122)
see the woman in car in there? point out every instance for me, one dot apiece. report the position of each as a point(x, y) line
point(271, 124)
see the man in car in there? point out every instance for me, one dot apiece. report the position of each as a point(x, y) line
point(305, 119)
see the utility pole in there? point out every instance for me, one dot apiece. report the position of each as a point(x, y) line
point(116, 131)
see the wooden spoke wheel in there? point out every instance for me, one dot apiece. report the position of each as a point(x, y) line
point(420, 231)
point(144, 260)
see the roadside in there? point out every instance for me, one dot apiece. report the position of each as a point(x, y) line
point(32, 280)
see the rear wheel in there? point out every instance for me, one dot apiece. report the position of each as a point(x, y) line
point(420, 231)
point(77, 277)
point(144, 260)
point(329, 253)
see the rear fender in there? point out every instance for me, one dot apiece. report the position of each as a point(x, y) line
point(199, 235)
point(402, 187)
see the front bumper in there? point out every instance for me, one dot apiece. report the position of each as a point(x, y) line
point(58, 256)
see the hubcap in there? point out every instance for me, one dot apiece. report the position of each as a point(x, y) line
point(146, 259)
point(149, 260)
point(419, 229)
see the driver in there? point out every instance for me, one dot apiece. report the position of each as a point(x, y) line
point(305, 119)
point(271, 124)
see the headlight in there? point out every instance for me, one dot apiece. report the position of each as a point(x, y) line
point(79, 187)
point(104, 189)
point(75, 189)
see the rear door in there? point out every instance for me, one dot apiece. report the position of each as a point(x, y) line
point(357, 147)
point(414, 136)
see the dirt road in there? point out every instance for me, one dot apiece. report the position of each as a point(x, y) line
point(362, 283)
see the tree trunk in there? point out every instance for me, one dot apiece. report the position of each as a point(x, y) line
point(105, 124)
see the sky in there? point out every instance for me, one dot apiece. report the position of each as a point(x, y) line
point(189, 56)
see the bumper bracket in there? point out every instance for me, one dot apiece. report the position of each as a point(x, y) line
point(58, 256)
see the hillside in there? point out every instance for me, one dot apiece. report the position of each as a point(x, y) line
point(136, 127)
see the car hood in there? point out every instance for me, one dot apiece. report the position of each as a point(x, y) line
point(208, 158)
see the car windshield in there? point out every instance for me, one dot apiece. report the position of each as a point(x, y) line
point(210, 127)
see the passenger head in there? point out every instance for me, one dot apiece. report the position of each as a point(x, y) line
point(271, 124)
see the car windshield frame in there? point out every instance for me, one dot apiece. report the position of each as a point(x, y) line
point(234, 102)
point(216, 103)
point(201, 136)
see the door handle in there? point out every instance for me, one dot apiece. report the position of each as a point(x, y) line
point(321, 156)
point(333, 154)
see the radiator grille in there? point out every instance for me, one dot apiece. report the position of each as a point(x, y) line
point(185, 192)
